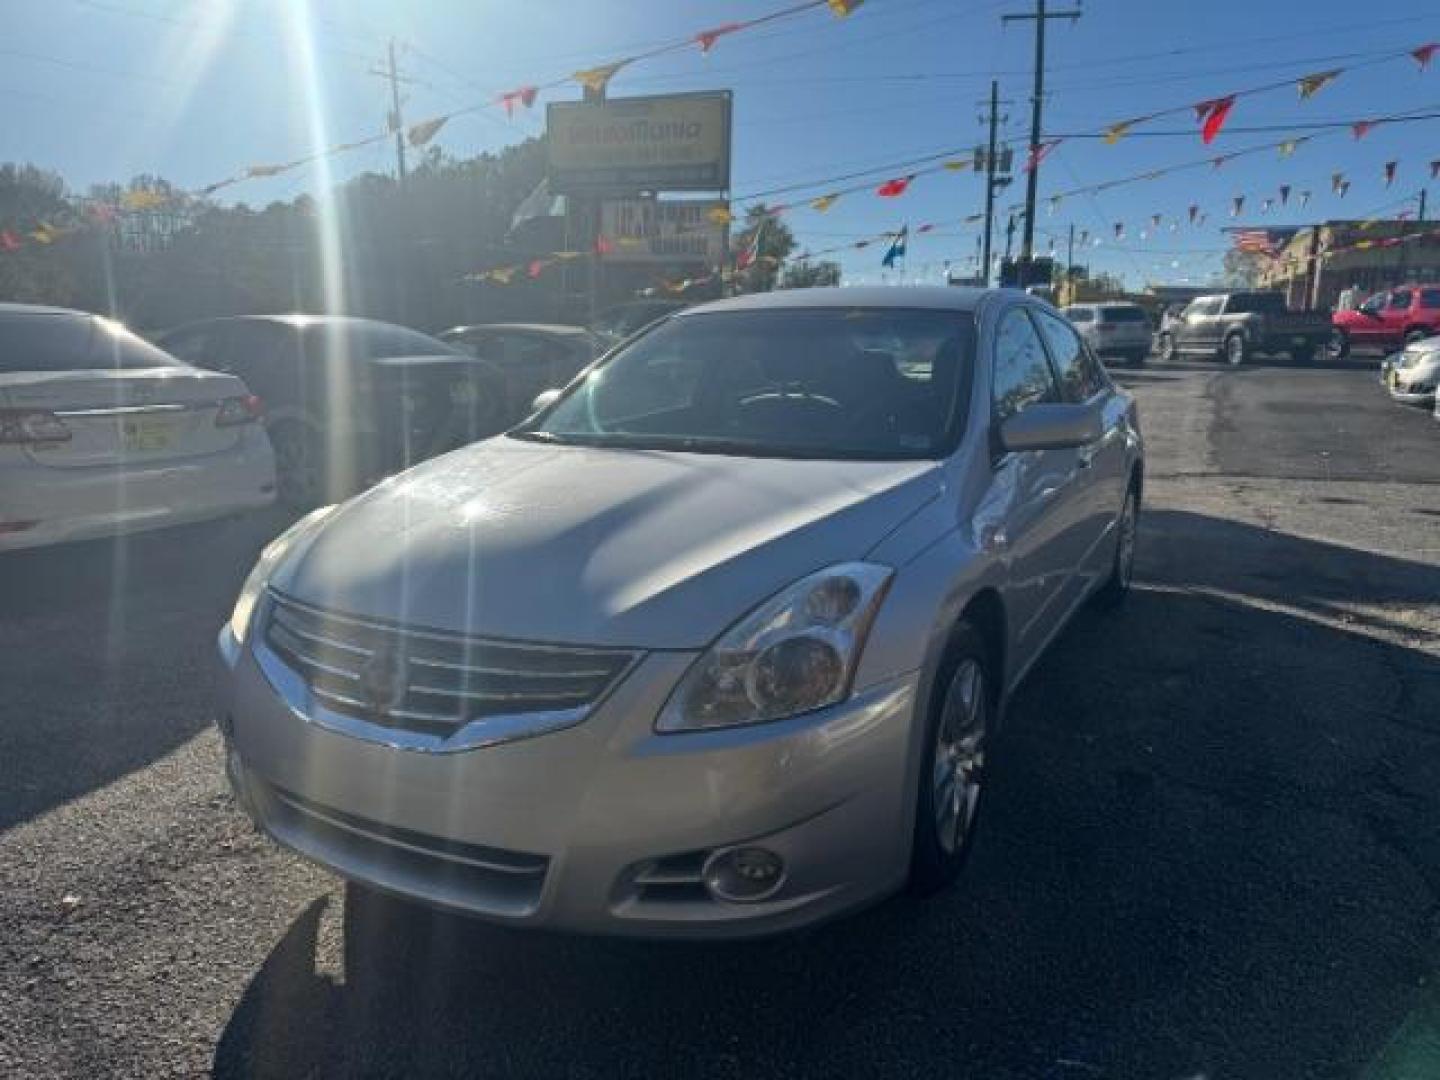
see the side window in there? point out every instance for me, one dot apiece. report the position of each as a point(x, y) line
point(526, 351)
point(1400, 300)
point(1430, 299)
point(1079, 378)
point(1022, 375)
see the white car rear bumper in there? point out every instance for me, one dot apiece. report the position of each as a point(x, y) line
point(41, 505)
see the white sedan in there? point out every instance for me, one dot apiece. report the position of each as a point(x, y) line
point(102, 433)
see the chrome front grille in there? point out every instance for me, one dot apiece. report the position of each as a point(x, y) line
point(436, 684)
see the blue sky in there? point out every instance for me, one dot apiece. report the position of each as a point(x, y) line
point(194, 90)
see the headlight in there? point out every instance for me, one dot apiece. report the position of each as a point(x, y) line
point(265, 566)
point(796, 652)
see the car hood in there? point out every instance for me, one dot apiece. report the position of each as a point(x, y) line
point(583, 545)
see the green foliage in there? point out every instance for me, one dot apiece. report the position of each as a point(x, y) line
point(1242, 269)
point(776, 244)
point(810, 274)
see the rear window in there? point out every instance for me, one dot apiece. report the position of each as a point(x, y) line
point(1080, 314)
point(74, 343)
point(1430, 298)
point(364, 342)
point(1122, 314)
point(1263, 303)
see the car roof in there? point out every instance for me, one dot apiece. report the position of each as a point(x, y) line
point(556, 329)
point(297, 320)
point(898, 297)
point(22, 311)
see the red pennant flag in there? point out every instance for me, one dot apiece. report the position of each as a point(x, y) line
point(1390, 172)
point(1425, 53)
point(707, 38)
point(1039, 153)
point(1336, 179)
point(603, 246)
point(1212, 115)
point(525, 95)
point(536, 266)
point(891, 188)
point(924, 228)
point(9, 241)
point(1194, 210)
point(1284, 194)
point(1361, 128)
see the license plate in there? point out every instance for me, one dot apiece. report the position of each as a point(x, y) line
point(147, 433)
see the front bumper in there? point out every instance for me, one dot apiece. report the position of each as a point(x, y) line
point(602, 827)
point(1405, 397)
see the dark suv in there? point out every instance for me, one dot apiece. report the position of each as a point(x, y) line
point(347, 400)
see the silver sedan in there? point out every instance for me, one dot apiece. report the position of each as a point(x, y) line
point(714, 643)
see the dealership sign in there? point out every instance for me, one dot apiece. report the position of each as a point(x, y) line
point(656, 231)
point(675, 142)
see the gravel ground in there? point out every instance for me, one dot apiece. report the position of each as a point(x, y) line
point(1212, 846)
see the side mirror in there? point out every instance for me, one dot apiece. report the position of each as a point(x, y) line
point(544, 400)
point(1052, 427)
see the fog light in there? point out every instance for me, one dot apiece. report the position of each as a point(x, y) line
point(744, 875)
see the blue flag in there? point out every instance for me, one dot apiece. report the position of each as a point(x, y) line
point(897, 247)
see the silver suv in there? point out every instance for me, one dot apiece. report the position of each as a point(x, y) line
point(715, 642)
point(1120, 330)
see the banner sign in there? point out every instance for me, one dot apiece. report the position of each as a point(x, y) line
point(658, 231)
point(625, 146)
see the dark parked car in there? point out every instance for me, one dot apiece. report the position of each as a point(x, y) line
point(1239, 325)
point(519, 360)
point(348, 401)
point(618, 323)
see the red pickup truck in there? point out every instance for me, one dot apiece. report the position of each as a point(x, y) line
point(1388, 320)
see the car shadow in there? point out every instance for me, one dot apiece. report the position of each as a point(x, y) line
point(100, 660)
point(1211, 848)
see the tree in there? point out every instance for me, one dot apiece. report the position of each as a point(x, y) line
point(757, 265)
point(1242, 269)
point(810, 274)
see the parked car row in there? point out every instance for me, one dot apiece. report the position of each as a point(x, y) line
point(1412, 374)
point(103, 432)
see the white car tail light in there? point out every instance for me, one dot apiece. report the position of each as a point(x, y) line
point(31, 426)
point(239, 410)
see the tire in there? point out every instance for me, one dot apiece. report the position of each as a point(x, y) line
point(1339, 346)
point(300, 469)
point(1122, 569)
point(959, 727)
point(1166, 348)
point(1303, 355)
point(1235, 350)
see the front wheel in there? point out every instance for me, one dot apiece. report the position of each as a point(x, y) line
point(1339, 347)
point(1236, 350)
point(953, 770)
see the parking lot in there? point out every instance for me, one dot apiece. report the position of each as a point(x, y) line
point(1212, 845)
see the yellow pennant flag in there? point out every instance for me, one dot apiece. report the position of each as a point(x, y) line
point(255, 171)
point(1364, 243)
point(1115, 132)
point(566, 256)
point(1288, 147)
point(630, 241)
point(425, 130)
point(844, 7)
point(142, 199)
point(501, 275)
point(597, 78)
point(823, 203)
point(959, 165)
point(1311, 85)
point(44, 233)
point(720, 215)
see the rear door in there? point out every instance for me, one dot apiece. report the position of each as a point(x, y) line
point(1101, 477)
point(1396, 316)
point(121, 400)
point(1042, 541)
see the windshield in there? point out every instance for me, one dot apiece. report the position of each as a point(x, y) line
point(369, 341)
point(74, 343)
point(1123, 314)
point(1256, 303)
point(826, 382)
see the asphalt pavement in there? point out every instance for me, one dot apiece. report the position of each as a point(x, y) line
point(1211, 846)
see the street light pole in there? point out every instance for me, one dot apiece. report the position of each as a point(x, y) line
point(1040, 16)
point(990, 184)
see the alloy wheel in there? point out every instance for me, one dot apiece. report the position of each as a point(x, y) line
point(959, 756)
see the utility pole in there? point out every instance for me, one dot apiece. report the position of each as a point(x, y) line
point(990, 166)
point(1421, 215)
point(1070, 263)
point(391, 73)
point(1040, 17)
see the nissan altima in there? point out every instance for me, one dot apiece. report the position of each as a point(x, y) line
point(715, 642)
